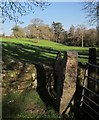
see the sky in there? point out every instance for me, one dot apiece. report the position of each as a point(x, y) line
point(68, 13)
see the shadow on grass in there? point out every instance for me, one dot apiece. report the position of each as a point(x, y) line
point(28, 53)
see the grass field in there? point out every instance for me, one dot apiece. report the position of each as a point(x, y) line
point(30, 50)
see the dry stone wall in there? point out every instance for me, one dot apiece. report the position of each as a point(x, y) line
point(17, 75)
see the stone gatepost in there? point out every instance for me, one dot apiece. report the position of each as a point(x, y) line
point(66, 80)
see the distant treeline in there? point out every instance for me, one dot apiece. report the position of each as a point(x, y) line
point(75, 36)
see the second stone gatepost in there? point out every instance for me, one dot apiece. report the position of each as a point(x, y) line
point(66, 79)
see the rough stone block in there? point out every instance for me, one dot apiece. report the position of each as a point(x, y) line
point(66, 79)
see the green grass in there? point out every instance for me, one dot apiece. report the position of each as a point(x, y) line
point(23, 105)
point(27, 105)
point(30, 50)
point(44, 43)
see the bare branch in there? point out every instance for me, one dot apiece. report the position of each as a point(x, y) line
point(13, 10)
point(92, 9)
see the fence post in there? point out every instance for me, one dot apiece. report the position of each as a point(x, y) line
point(92, 70)
point(66, 72)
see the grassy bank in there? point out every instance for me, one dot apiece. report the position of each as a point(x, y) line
point(34, 51)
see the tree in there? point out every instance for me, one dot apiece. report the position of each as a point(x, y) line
point(58, 29)
point(3, 35)
point(12, 10)
point(82, 29)
point(46, 32)
point(38, 29)
point(37, 22)
point(72, 31)
point(92, 9)
point(31, 31)
point(71, 34)
point(90, 37)
point(18, 31)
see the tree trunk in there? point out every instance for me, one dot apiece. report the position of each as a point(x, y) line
point(82, 38)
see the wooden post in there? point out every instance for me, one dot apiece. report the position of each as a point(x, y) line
point(92, 56)
point(97, 24)
point(91, 69)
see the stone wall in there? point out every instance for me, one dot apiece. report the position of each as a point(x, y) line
point(17, 75)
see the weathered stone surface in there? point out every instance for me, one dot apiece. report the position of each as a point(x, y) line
point(4, 91)
point(18, 76)
point(66, 76)
point(34, 84)
point(24, 85)
point(69, 85)
point(81, 73)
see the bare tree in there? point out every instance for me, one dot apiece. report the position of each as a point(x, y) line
point(82, 29)
point(37, 22)
point(92, 9)
point(13, 9)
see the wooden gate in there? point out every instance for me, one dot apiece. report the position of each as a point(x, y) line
point(90, 94)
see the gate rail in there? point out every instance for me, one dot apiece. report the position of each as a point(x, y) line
point(89, 103)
